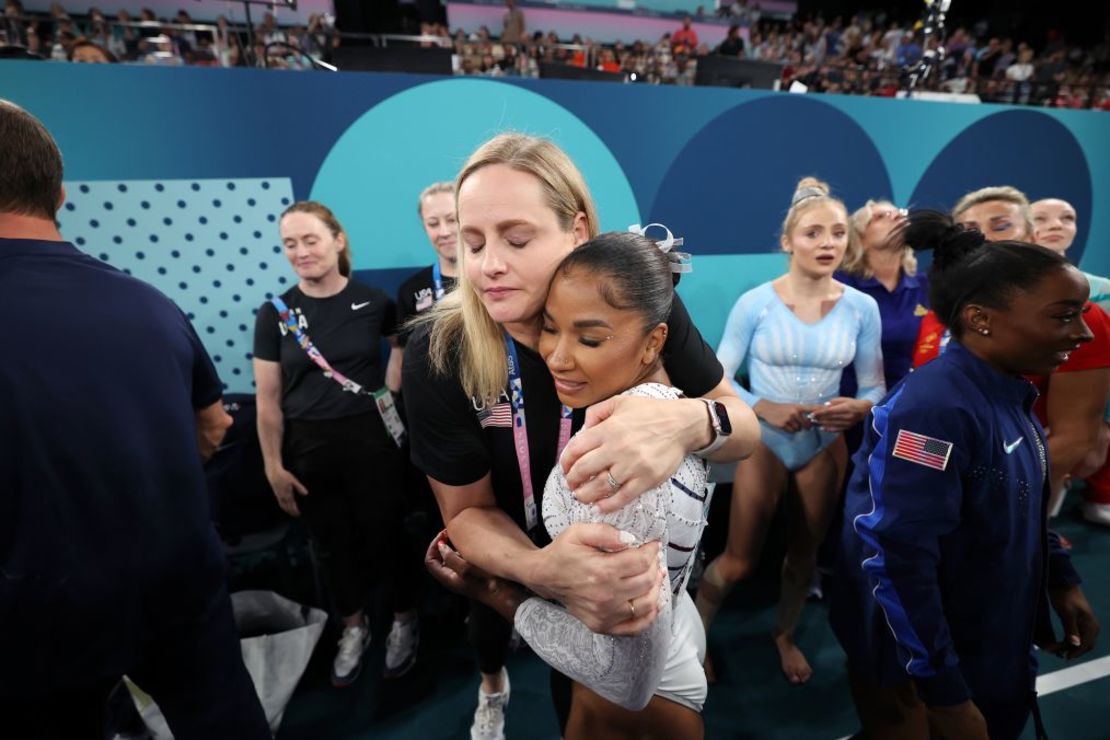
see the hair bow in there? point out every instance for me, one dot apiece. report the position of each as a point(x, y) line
point(679, 261)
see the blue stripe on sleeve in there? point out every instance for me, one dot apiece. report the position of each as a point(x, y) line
point(868, 362)
point(875, 566)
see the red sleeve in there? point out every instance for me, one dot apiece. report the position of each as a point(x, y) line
point(1095, 353)
point(1090, 356)
point(929, 335)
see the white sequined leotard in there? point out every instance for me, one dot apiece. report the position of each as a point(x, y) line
point(666, 658)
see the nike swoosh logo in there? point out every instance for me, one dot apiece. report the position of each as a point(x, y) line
point(1011, 446)
point(357, 306)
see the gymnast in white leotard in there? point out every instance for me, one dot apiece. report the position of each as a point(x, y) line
point(604, 325)
point(666, 660)
point(797, 332)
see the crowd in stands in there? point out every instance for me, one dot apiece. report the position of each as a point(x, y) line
point(96, 37)
point(867, 57)
point(869, 54)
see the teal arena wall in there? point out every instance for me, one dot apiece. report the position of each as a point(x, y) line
point(150, 152)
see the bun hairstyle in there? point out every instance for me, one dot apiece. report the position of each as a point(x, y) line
point(969, 269)
point(807, 193)
point(950, 242)
point(809, 187)
point(635, 273)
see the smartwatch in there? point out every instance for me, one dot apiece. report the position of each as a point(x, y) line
point(718, 420)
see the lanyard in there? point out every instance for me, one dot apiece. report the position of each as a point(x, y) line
point(437, 280)
point(382, 397)
point(310, 349)
point(520, 433)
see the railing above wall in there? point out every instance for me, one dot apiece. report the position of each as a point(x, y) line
point(325, 49)
point(610, 25)
point(675, 8)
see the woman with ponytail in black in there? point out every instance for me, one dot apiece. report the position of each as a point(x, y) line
point(947, 567)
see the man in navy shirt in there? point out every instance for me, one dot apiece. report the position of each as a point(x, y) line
point(108, 563)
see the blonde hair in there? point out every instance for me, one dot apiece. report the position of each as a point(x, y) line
point(462, 331)
point(1004, 193)
point(807, 193)
point(445, 186)
point(322, 212)
point(855, 259)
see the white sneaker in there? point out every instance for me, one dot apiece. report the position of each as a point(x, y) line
point(1097, 513)
point(348, 659)
point(489, 718)
point(400, 647)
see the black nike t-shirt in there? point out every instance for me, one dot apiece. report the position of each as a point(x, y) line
point(347, 329)
point(416, 295)
point(456, 439)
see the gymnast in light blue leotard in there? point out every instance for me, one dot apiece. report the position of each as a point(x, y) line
point(791, 361)
point(797, 333)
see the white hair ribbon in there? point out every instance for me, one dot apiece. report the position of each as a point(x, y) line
point(680, 261)
point(666, 244)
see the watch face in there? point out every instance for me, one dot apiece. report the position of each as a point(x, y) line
point(722, 416)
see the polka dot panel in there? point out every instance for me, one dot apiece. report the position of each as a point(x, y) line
point(170, 234)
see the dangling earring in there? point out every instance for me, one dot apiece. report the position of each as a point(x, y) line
point(985, 332)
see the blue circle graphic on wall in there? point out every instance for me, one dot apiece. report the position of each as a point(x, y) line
point(761, 149)
point(373, 175)
point(1027, 149)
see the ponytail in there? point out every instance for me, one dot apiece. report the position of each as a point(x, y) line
point(969, 269)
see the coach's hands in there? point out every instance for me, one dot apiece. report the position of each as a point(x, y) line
point(454, 573)
point(592, 570)
point(635, 443)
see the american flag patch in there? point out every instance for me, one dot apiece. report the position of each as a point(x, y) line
point(498, 415)
point(918, 448)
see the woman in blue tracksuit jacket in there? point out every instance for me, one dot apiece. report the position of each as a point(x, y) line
point(947, 567)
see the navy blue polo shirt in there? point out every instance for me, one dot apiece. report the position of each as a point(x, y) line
point(900, 311)
point(104, 534)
